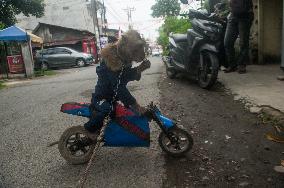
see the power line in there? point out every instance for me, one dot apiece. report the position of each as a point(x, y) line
point(114, 16)
point(129, 11)
point(112, 9)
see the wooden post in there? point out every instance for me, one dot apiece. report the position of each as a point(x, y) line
point(5, 59)
point(27, 57)
point(260, 31)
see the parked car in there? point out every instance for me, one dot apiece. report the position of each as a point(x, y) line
point(156, 53)
point(61, 57)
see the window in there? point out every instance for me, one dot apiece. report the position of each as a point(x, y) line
point(62, 51)
point(50, 51)
point(65, 8)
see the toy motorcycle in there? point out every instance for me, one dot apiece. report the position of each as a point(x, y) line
point(125, 129)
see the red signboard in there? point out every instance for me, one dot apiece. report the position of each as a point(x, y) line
point(89, 46)
point(16, 64)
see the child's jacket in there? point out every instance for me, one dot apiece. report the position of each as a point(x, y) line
point(107, 82)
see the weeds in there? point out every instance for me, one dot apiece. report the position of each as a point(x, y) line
point(44, 73)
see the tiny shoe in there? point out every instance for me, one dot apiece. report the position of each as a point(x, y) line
point(230, 69)
point(93, 136)
point(242, 69)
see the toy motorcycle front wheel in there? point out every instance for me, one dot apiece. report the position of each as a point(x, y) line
point(75, 146)
point(179, 144)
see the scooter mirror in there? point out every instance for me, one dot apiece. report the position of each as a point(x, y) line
point(184, 2)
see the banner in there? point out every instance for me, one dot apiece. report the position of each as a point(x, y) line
point(104, 41)
point(16, 64)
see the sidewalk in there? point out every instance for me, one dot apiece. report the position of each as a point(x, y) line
point(259, 86)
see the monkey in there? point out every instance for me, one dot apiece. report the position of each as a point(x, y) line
point(117, 61)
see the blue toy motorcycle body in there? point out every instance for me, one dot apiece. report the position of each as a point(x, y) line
point(125, 129)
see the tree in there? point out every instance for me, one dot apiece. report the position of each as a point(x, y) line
point(171, 25)
point(164, 8)
point(2, 26)
point(10, 8)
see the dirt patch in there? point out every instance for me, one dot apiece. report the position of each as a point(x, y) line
point(230, 148)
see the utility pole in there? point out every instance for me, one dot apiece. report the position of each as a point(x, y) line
point(129, 11)
point(105, 21)
point(103, 17)
point(96, 23)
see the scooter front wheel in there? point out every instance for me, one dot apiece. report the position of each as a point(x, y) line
point(208, 70)
point(179, 144)
point(171, 73)
point(75, 146)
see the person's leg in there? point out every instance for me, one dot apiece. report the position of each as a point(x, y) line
point(244, 29)
point(102, 109)
point(231, 36)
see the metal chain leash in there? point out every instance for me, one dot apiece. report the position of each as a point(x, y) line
point(83, 179)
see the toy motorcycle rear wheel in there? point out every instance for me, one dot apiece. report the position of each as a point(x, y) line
point(183, 142)
point(75, 146)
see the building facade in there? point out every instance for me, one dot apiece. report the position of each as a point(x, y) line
point(266, 33)
point(53, 35)
point(76, 14)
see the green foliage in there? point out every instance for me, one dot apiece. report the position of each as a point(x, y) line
point(206, 5)
point(39, 73)
point(10, 8)
point(2, 85)
point(2, 26)
point(164, 8)
point(171, 25)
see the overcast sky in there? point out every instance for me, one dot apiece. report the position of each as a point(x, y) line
point(141, 16)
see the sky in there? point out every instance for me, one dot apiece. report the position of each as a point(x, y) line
point(141, 16)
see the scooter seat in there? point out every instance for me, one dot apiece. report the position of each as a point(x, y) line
point(179, 37)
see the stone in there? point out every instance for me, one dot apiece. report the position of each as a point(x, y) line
point(255, 110)
point(244, 184)
point(244, 176)
point(205, 178)
point(281, 78)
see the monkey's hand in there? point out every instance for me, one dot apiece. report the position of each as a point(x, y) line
point(146, 64)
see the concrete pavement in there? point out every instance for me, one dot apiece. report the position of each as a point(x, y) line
point(259, 86)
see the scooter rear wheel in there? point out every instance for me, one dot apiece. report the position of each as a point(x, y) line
point(75, 146)
point(184, 142)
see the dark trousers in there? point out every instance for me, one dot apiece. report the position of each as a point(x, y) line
point(237, 27)
point(102, 108)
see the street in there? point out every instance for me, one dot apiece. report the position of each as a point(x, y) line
point(229, 149)
point(31, 120)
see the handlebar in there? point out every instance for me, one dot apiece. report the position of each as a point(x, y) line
point(199, 15)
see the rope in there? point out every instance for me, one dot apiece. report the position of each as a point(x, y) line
point(83, 178)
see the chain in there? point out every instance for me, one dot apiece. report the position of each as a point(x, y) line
point(83, 179)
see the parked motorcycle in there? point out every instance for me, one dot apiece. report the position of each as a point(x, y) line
point(125, 129)
point(200, 52)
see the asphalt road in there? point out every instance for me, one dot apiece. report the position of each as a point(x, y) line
point(230, 148)
point(30, 119)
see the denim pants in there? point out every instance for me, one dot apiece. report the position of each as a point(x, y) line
point(102, 108)
point(237, 27)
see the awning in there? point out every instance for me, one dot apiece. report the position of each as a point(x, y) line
point(15, 33)
point(35, 38)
